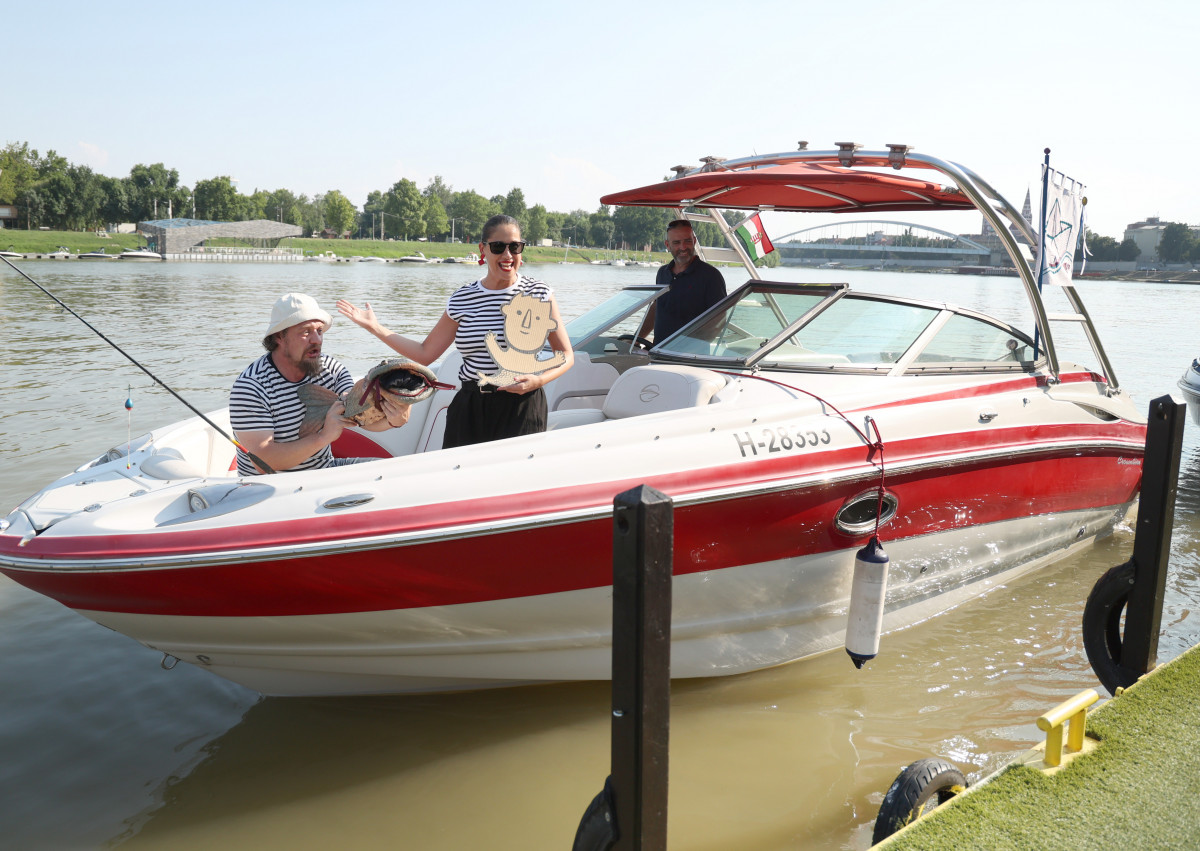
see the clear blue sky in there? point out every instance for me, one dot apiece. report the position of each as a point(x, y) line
point(572, 100)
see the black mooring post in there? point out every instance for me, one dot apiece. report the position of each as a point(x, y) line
point(643, 529)
point(1152, 539)
point(630, 814)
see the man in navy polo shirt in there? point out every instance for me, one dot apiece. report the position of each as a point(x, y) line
point(694, 286)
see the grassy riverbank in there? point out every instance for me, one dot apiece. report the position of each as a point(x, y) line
point(437, 250)
point(1138, 789)
point(78, 242)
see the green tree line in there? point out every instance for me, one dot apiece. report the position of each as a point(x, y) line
point(1178, 244)
point(1107, 248)
point(51, 192)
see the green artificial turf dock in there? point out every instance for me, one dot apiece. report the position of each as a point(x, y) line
point(1139, 789)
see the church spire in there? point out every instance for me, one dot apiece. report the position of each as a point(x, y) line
point(1027, 215)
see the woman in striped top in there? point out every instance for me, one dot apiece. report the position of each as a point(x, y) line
point(476, 414)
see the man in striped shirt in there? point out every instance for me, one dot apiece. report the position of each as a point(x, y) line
point(264, 407)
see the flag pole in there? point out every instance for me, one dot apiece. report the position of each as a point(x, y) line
point(1042, 241)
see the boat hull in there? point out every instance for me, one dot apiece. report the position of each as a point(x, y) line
point(762, 575)
point(720, 624)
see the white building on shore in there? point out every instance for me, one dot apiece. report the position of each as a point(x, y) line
point(1146, 236)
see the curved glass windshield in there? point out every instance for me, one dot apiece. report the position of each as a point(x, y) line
point(798, 327)
point(856, 331)
point(967, 339)
point(616, 317)
point(746, 325)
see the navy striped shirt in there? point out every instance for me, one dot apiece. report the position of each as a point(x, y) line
point(478, 310)
point(263, 400)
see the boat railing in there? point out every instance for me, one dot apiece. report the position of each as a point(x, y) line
point(997, 210)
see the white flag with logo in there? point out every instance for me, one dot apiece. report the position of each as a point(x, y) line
point(1062, 229)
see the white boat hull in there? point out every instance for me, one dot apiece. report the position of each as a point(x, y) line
point(720, 625)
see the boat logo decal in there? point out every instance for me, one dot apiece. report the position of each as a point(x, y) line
point(781, 439)
point(649, 393)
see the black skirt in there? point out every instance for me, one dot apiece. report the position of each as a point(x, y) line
point(477, 416)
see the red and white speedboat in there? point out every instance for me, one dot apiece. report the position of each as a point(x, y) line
point(772, 421)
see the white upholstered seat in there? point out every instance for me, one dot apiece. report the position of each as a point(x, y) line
point(647, 390)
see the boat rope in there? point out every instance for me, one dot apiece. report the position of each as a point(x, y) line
point(262, 465)
point(876, 444)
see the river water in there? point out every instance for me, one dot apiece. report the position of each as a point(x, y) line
point(100, 747)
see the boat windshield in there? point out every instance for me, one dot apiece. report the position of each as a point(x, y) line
point(615, 317)
point(741, 326)
point(779, 326)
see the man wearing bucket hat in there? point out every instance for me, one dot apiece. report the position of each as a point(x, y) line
point(264, 405)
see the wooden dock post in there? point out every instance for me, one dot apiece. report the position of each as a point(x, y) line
point(630, 814)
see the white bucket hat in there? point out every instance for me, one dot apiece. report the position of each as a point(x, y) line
point(294, 308)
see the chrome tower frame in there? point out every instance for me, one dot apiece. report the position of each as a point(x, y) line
point(994, 207)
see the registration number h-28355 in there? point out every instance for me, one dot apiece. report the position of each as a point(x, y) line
point(780, 439)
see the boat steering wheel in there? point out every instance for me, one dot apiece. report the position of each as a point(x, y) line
point(634, 338)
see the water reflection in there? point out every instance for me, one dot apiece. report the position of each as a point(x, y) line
point(796, 756)
point(406, 772)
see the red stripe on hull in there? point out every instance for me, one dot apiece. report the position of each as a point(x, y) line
point(1010, 386)
point(710, 535)
point(489, 511)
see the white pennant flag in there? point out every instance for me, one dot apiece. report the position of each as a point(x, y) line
point(1062, 229)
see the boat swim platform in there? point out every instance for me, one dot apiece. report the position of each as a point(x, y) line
point(1132, 782)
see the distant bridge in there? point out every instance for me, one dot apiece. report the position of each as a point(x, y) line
point(883, 240)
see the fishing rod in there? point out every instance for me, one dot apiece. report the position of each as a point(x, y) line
point(262, 465)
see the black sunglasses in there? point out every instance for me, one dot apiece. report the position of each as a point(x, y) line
point(498, 247)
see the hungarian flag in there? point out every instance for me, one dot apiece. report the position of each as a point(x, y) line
point(754, 238)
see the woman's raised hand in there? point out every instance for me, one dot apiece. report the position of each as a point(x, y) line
point(364, 316)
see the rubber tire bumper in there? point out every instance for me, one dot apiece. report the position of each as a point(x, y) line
point(1102, 638)
point(912, 793)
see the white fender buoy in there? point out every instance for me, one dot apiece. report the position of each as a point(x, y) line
point(866, 602)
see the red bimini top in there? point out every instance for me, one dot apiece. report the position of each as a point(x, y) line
point(796, 187)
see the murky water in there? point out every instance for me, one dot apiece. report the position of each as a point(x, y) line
point(100, 747)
